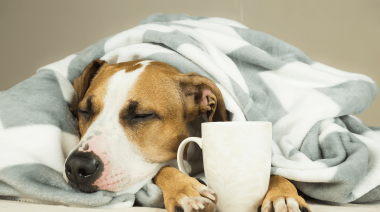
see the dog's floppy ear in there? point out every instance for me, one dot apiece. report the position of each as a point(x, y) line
point(82, 83)
point(201, 96)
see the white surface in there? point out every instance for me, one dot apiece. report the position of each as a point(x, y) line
point(315, 205)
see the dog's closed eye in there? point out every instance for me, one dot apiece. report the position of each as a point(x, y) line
point(134, 117)
point(88, 111)
point(143, 116)
point(84, 113)
point(137, 118)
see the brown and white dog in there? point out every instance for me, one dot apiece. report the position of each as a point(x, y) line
point(132, 118)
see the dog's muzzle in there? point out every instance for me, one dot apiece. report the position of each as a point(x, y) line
point(82, 170)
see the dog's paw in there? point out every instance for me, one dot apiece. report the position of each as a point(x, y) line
point(282, 196)
point(283, 204)
point(191, 196)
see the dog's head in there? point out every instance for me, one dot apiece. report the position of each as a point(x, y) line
point(132, 118)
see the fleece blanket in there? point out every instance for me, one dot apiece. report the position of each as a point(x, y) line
point(318, 144)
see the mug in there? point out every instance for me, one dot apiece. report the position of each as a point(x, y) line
point(237, 162)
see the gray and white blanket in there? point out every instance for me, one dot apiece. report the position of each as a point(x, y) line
point(318, 144)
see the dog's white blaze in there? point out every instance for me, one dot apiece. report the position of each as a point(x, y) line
point(123, 158)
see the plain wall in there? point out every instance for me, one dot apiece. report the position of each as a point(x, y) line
point(344, 34)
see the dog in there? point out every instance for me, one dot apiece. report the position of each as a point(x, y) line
point(132, 117)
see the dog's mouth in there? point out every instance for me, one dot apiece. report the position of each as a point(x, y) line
point(84, 188)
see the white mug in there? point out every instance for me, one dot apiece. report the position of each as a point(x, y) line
point(237, 162)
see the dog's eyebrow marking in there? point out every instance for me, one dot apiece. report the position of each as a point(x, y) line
point(129, 111)
point(132, 107)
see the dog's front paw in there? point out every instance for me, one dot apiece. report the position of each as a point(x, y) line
point(284, 204)
point(184, 193)
point(200, 204)
point(191, 196)
point(282, 196)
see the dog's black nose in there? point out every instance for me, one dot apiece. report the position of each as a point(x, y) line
point(81, 170)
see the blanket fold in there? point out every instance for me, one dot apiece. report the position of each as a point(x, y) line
point(318, 144)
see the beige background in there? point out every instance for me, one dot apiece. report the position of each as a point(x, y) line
point(344, 34)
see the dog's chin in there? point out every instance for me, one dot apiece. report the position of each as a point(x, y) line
point(84, 189)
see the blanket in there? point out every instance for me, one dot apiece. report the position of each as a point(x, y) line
point(318, 144)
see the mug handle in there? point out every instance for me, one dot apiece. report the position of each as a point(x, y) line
point(181, 148)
